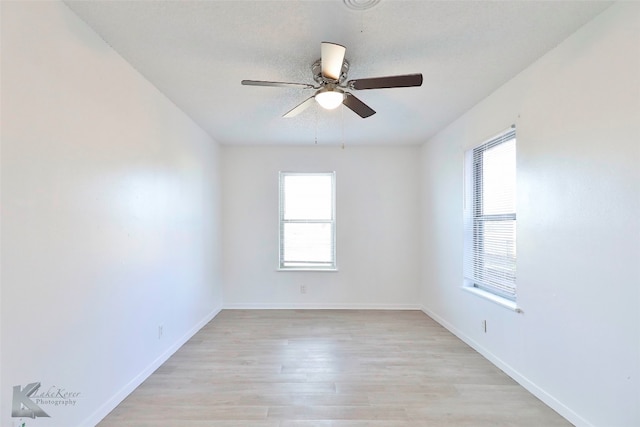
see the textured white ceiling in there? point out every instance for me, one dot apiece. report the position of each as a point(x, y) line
point(197, 52)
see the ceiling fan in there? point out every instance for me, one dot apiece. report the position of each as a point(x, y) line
point(332, 88)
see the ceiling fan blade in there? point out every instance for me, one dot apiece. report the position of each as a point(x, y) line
point(357, 106)
point(299, 108)
point(332, 57)
point(275, 84)
point(407, 80)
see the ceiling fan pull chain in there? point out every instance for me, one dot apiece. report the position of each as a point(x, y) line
point(342, 120)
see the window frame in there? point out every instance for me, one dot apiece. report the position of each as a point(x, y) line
point(322, 266)
point(475, 221)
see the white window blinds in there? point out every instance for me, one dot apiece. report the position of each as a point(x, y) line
point(307, 221)
point(490, 216)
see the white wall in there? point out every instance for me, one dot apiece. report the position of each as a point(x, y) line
point(110, 201)
point(577, 111)
point(377, 228)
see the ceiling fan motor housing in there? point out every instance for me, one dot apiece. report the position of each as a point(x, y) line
point(316, 68)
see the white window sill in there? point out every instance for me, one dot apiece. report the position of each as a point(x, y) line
point(329, 270)
point(506, 303)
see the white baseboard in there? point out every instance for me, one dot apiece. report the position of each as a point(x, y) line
point(298, 306)
point(117, 398)
point(529, 385)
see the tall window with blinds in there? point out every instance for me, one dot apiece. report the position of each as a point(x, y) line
point(490, 216)
point(307, 221)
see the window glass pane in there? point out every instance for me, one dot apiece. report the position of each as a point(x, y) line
point(308, 244)
point(490, 216)
point(308, 197)
point(499, 179)
point(498, 249)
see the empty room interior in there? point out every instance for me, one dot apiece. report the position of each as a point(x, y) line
point(320, 213)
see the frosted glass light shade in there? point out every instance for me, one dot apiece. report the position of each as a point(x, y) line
point(329, 99)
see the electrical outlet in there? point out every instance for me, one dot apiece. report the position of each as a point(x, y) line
point(303, 289)
point(160, 331)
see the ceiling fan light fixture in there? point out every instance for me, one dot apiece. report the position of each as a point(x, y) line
point(329, 99)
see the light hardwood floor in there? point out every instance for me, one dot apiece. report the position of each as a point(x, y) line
point(328, 368)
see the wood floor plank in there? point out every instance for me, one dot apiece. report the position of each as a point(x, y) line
point(329, 368)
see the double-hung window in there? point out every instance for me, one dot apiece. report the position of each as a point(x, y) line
point(307, 221)
point(490, 216)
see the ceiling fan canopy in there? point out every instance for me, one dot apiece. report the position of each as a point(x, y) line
point(332, 87)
